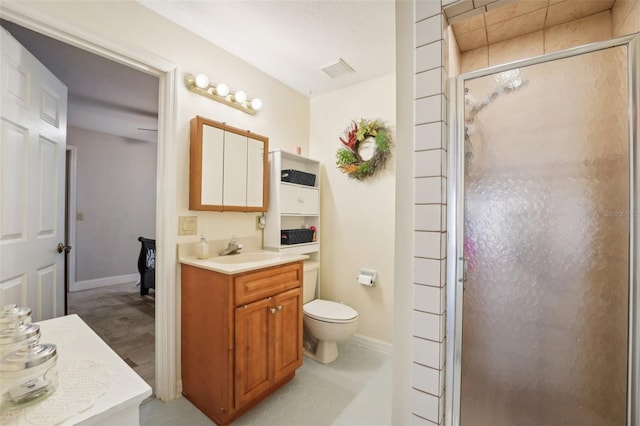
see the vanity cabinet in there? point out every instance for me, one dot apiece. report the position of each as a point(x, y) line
point(228, 168)
point(241, 336)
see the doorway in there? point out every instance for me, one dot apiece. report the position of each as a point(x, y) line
point(543, 314)
point(166, 355)
point(111, 177)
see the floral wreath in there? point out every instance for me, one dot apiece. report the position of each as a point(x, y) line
point(348, 157)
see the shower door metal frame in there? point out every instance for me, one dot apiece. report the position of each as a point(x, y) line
point(455, 219)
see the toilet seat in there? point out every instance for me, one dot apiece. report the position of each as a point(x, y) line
point(327, 311)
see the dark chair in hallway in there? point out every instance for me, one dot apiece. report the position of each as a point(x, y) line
point(147, 265)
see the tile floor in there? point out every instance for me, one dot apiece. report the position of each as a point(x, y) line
point(353, 390)
point(124, 320)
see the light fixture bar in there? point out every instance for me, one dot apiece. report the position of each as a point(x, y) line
point(200, 84)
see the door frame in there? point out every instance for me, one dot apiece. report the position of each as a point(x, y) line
point(167, 383)
point(455, 219)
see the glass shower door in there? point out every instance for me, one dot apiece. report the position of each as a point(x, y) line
point(546, 242)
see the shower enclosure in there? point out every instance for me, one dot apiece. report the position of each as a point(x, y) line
point(542, 321)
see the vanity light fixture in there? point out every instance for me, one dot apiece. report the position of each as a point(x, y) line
point(220, 92)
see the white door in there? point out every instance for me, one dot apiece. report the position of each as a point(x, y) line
point(32, 180)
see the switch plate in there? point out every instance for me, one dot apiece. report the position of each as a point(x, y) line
point(79, 217)
point(187, 225)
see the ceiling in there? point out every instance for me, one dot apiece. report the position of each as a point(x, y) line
point(104, 96)
point(478, 23)
point(293, 40)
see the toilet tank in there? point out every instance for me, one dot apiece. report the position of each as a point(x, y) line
point(309, 280)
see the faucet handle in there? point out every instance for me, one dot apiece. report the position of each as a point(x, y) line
point(234, 239)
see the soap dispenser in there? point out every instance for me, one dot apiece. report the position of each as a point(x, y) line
point(203, 248)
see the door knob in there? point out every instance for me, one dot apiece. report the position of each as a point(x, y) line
point(63, 248)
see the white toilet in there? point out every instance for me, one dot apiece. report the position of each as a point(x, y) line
point(325, 322)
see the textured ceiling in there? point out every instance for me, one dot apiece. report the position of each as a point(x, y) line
point(292, 40)
point(478, 23)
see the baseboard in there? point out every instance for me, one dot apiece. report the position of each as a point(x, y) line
point(103, 282)
point(374, 344)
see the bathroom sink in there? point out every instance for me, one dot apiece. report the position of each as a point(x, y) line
point(245, 258)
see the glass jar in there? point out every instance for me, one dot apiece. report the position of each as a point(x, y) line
point(14, 314)
point(18, 335)
point(28, 375)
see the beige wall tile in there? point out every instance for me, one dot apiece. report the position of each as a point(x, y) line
point(619, 13)
point(428, 379)
point(428, 272)
point(474, 59)
point(635, 17)
point(425, 405)
point(472, 40)
point(468, 25)
point(429, 30)
point(576, 33)
point(522, 47)
point(514, 9)
point(452, 56)
point(569, 10)
point(514, 27)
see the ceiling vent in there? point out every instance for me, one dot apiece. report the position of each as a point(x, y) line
point(338, 69)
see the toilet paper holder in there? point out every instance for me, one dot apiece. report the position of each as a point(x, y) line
point(367, 277)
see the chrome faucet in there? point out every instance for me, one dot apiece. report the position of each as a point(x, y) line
point(233, 247)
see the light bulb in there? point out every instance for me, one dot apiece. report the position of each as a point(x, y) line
point(222, 89)
point(202, 81)
point(256, 104)
point(240, 97)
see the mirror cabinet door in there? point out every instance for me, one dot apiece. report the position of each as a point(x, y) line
point(255, 173)
point(212, 165)
point(235, 170)
point(228, 168)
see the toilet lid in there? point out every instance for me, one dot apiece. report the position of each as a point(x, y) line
point(325, 310)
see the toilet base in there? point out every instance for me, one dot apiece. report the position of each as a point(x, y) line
point(325, 352)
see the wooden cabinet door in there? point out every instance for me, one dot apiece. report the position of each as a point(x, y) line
point(253, 350)
point(287, 336)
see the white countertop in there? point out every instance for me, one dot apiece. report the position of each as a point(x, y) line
point(95, 386)
point(243, 262)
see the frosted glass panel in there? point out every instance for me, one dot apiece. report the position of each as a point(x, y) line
point(546, 236)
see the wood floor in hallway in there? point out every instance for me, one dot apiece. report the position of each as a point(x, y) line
point(124, 320)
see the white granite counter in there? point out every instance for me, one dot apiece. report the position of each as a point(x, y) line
point(95, 386)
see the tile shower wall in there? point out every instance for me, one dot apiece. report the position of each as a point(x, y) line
point(428, 355)
point(431, 47)
point(625, 17)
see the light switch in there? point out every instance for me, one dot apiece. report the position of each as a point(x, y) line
point(79, 217)
point(187, 225)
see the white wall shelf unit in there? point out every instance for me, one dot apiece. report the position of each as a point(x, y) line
point(292, 206)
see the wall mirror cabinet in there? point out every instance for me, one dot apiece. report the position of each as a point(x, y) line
point(229, 168)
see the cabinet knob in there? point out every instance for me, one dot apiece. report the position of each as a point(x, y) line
point(272, 310)
point(279, 307)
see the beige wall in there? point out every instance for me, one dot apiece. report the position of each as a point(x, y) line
point(593, 28)
point(116, 194)
point(357, 218)
point(284, 118)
